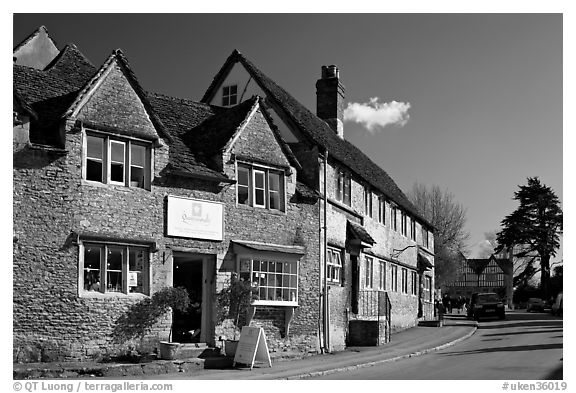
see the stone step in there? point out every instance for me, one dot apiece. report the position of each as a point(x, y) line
point(199, 350)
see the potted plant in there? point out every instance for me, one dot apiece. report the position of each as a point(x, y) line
point(234, 301)
point(169, 298)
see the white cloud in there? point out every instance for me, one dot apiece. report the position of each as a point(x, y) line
point(375, 116)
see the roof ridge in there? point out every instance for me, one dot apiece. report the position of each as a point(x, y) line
point(67, 48)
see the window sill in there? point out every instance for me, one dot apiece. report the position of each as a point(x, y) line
point(257, 303)
point(114, 186)
point(113, 295)
point(261, 209)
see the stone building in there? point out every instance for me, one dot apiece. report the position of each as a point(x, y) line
point(119, 192)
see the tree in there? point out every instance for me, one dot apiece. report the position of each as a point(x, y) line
point(534, 228)
point(449, 219)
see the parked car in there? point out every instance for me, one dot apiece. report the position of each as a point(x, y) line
point(486, 304)
point(557, 305)
point(535, 304)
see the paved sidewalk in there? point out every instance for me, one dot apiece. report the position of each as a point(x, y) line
point(411, 342)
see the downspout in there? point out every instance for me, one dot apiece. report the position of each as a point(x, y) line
point(326, 297)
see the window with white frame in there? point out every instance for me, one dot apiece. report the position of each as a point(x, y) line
point(394, 278)
point(276, 280)
point(230, 95)
point(369, 272)
point(343, 187)
point(414, 279)
point(382, 210)
point(382, 276)
point(111, 268)
point(428, 288)
point(367, 201)
point(334, 265)
point(404, 280)
point(260, 187)
point(112, 160)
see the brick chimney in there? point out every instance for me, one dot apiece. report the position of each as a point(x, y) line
point(330, 99)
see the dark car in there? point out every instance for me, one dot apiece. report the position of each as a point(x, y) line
point(535, 304)
point(486, 305)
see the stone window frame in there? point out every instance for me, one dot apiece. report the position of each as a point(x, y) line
point(246, 271)
point(128, 162)
point(368, 201)
point(334, 268)
point(229, 97)
point(403, 223)
point(382, 210)
point(252, 169)
point(105, 248)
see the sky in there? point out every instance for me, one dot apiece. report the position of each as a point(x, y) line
point(472, 103)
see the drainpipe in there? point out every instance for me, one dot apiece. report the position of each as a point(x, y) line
point(326, 297)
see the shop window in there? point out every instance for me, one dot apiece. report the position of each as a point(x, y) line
point(276, 281)
point(230, 95)
point(260, 187)
point(110, 268)
point(343, 187)
point(334, 268)
point(110, 160)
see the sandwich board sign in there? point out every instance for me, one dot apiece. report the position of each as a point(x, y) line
point(252, 347)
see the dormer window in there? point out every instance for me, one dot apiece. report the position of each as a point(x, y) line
point(230, 95)
point(260, 187)
point(112, 160)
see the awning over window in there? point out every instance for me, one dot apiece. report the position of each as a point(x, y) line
point(358, 233)
point(268, 247)
point(423, 262)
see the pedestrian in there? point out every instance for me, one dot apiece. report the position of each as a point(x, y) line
point(440, 310)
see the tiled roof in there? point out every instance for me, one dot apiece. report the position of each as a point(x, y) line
point(478, 265)
point(359, 232)
point(319, 133)
point(51, 92)
point(179, 116)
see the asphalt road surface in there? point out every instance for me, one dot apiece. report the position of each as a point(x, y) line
point(525, 346)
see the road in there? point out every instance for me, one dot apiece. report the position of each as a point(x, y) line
point(525, 346)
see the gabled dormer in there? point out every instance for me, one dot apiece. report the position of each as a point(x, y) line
point(37, 50)
point(118, 126)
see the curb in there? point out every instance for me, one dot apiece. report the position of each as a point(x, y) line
point(378, 362)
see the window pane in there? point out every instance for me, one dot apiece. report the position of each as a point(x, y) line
point(95, 147)
point(243, 196)
point(275, 201)
point(117, 151)
point(137, 177)
point(259, 198)
point(137, 155)
point(114, 269)
point(233, 89)
point(117, 172)
point(226, 90)
point(94, 170)
point(232, 100)
point(138, 272)
point(92, 268)
point(274, 179)
point(243, 176)
point(258, 179)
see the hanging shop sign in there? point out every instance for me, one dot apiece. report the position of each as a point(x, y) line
point(195, 218)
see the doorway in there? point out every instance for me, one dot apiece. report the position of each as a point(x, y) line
point(196, 273)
